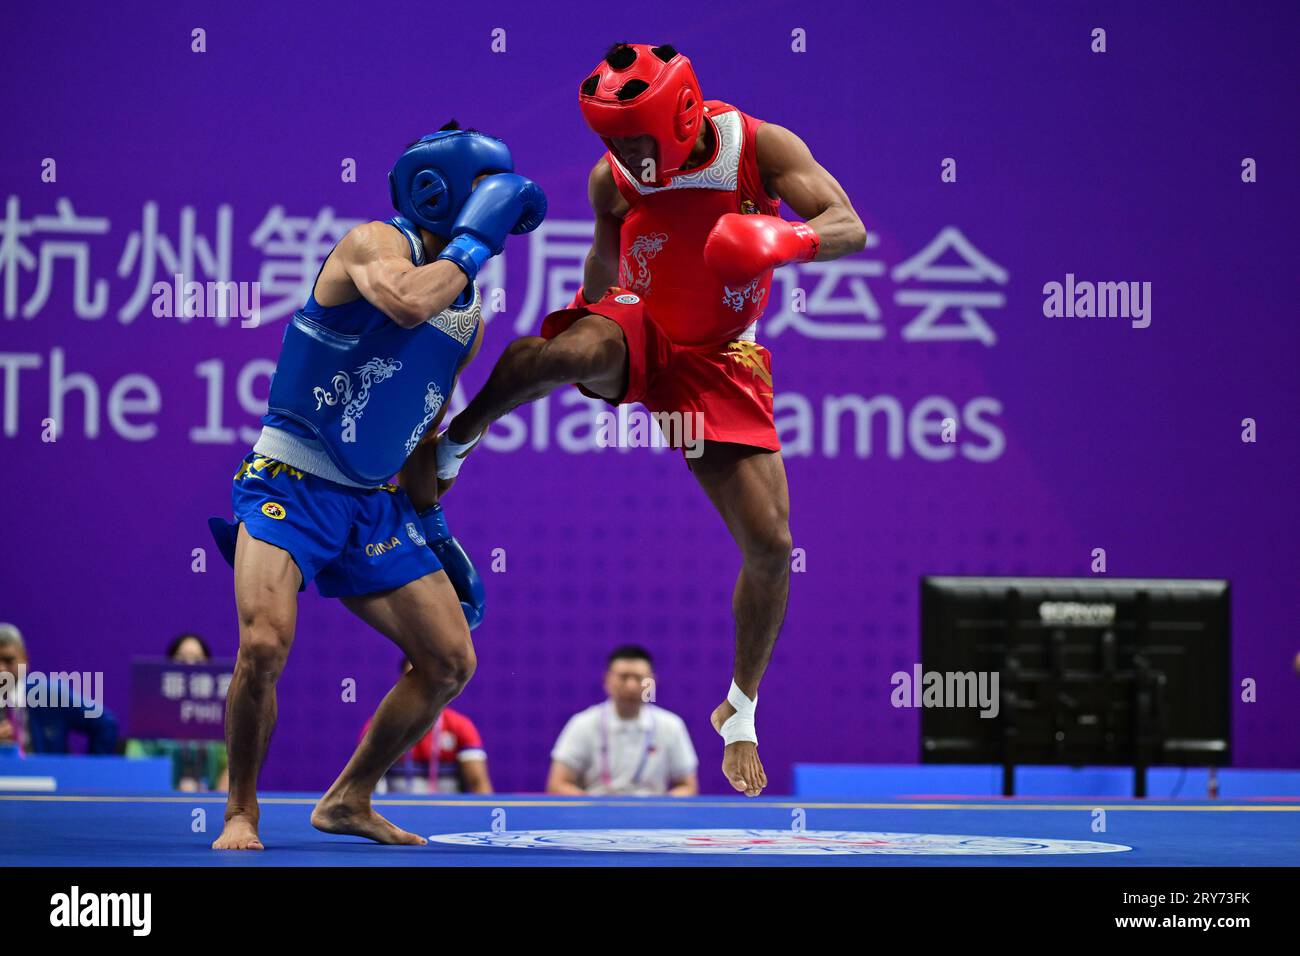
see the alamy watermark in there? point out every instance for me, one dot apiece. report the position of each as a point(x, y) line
point(222, 301)
point(82, 690)
point(133, 911)
point(946, 689)
point(1100, 300)
point(637, 428)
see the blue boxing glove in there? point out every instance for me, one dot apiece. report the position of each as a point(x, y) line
point(459, 568)
point(501, 204)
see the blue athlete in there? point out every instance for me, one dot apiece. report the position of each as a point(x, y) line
point(365, 371)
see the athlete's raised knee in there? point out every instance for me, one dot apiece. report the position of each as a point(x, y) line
point(445, 670)
point(767, 550)
point(264, 648)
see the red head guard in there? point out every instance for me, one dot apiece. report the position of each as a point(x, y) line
point(640, 90)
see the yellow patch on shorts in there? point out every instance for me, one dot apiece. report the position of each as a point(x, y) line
point(272, 468)
point(750, 355)
point(273, 510)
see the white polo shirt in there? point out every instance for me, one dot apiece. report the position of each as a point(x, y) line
point(643, 756)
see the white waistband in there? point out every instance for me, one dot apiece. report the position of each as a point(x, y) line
point(305, 454)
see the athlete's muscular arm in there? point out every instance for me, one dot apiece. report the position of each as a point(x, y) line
point(790, 173)
point(610, 207)
point(375, 260)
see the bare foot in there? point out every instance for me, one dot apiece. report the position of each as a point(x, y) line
point(740, 763)
point(335, 815)
point(239, 833)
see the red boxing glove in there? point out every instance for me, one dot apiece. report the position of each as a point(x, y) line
point(740, 248)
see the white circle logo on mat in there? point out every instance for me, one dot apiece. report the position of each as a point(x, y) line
point(782, 842)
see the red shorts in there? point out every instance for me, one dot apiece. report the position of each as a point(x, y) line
point(729, 385)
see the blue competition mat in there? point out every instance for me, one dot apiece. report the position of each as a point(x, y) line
point(521, 830)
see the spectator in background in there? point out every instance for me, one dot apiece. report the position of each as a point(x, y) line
point(625, 745)
point(63, 708)
point(196, 764)
point(13, 726)
point(448, 759)
point(189, 649)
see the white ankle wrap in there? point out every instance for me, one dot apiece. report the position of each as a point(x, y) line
point(451, 455)
point(740, 725)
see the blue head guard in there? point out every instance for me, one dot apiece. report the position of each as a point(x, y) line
point(431, 180)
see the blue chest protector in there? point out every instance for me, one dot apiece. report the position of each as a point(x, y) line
point(370, 397)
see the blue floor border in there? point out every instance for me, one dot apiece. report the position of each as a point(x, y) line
point(154, 830)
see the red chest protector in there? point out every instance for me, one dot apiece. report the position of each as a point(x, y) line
point(661, 256)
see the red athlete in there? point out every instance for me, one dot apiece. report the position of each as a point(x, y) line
point(687, 236)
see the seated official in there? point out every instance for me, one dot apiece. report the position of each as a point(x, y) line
point(52, 706)
point(197, 765)
point(624, 745)
point(448, 759)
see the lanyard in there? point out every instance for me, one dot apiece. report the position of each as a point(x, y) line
point(435, 752)
point(408, 762)
point(647, 747)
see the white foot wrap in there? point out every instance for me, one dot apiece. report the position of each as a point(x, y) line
point(451, 455)
point(740, 725)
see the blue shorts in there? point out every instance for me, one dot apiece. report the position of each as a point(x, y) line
point(349, 540)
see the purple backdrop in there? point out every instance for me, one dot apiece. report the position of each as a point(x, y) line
point(1076, 433)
